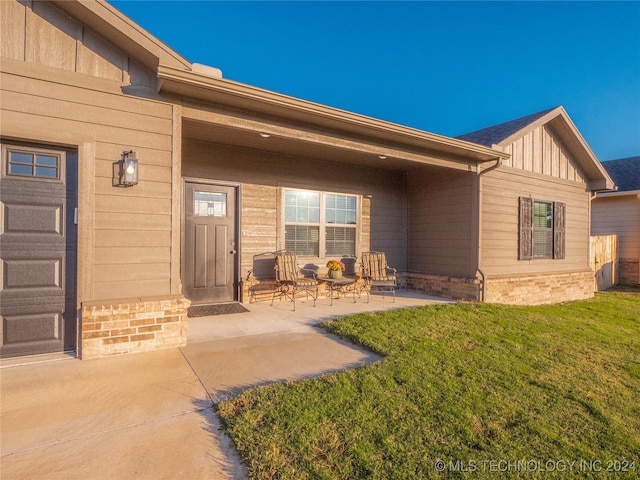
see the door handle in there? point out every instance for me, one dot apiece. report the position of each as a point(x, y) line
point(233, 252)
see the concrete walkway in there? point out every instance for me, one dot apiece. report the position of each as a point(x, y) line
point(150, 415)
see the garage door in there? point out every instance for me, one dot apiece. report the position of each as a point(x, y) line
point(38, 250)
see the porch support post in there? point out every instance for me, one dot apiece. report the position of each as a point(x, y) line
point(176, 201)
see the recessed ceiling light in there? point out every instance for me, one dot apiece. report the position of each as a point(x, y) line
point(265, 135)
point(382, 157)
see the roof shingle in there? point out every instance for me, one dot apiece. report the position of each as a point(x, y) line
point(493, 135)
point(625, 172)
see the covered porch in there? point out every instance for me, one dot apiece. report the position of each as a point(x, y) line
point(414, 193)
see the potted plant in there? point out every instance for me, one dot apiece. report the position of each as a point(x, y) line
point(335, 268)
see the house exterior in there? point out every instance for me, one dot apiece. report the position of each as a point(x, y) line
point(618, 212)
point(227, 171)
point(550, 173)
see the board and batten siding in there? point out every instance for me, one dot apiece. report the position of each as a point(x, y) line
point(442, 226)
point(38, 32)
point(262, 175)
point(619, 215)
point(541, 151)
point(501, 190)
point(66, 88)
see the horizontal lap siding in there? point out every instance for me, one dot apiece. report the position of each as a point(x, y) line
point(131, 247)
point(501, 190)
point(262, 173)
point(441, 229)
point(619, 215)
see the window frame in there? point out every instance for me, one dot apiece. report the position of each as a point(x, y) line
point(547, 231)
point(8, 149)
point(322, 224)
point(528, 229)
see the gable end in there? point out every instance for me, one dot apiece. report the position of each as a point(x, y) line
point(41, 33)
point(542, 151)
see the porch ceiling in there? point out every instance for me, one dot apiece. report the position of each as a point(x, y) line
point(291, 146)
point(321, 147)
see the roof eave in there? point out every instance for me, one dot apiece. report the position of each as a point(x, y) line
point(112, 24)
point(238, 95)
point(625, 193)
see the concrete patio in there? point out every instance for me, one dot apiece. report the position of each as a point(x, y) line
point(151, 415)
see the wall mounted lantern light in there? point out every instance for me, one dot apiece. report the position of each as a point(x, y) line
point(125, 170)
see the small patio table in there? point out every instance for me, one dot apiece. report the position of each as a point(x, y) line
point(339, 286)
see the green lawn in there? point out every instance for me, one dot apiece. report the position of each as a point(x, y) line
point(474, 386)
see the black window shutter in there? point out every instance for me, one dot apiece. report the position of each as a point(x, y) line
point(525, 250)
point(558, 229)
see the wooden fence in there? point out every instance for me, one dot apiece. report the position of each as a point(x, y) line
point(604, 261)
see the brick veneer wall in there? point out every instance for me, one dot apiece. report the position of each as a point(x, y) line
point(515, 290)
point(629, 270)
point(441, 286)
point(540, 289)
point(133, 326)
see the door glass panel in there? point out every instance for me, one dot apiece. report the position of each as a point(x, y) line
point(210, 204)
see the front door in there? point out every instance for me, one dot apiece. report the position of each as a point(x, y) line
point(210, 248)
point(38, 196)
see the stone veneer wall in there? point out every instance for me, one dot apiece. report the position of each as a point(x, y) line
point(540, 289)
point(629, 271)
point(130, 326)
point(441, 286)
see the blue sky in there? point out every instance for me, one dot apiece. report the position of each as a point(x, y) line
point(445, 67)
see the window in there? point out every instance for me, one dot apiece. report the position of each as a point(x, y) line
point(542, 229)
point(210, 204)
point(320, 223)
point(23, 162)
point(542, 226)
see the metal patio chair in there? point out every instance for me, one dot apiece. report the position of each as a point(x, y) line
point(261, 279)
point(292, 279)
point(377, 274)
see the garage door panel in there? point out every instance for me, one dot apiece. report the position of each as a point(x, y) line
point(31, 348)
point(31, 328)
point(43, 190)
point(43, 246)
point(32, 273)
point(22, 300)
point(33, 219)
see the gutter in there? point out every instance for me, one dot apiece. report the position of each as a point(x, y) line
point(479, 269)
point(616, 193)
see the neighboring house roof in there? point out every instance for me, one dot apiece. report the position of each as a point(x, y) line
point(625, 172)
point(504, 134)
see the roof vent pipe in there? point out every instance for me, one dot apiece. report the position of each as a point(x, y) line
point(206, 70)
